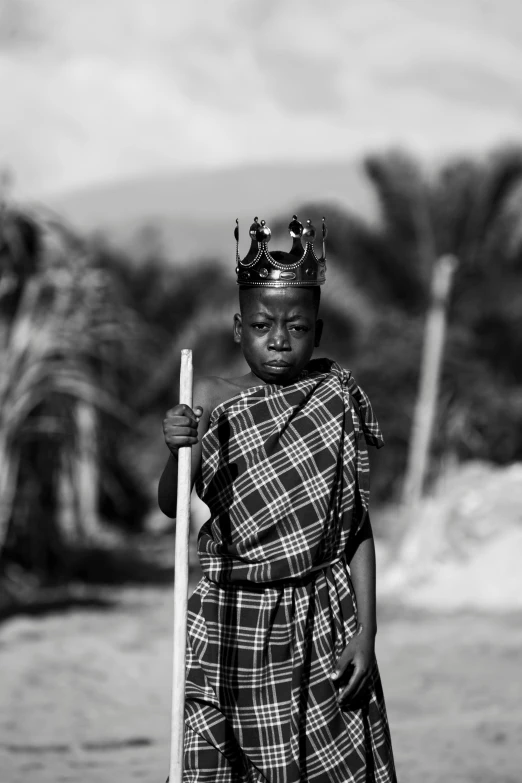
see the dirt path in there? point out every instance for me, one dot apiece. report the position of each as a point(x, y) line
point(85, 696)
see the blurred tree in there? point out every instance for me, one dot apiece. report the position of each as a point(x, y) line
point(465, 213)
point(469, 209)
point(69, 347)
point(174, 301)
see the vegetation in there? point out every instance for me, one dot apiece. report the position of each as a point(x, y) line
point(469, 209)
point(69, 351)
point(90, 339)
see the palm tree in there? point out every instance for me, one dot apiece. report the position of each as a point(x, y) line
point(68, 347)
point(453, 222)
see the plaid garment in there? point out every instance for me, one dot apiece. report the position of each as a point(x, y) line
point(286, 476)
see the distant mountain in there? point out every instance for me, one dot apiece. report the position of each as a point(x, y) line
point(195, 211)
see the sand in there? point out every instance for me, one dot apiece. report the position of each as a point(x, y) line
point(85, 695)
point(465, 548)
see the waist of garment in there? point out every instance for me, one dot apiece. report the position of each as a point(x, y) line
point(289, 581)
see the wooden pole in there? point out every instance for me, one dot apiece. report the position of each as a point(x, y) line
point(181, 584)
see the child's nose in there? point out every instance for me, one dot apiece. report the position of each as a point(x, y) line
point(280, 341)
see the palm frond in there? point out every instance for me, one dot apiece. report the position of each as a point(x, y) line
point(67, 351)
point(470, 199)
point(403, 194)
point(502, 174)
point(451, 197)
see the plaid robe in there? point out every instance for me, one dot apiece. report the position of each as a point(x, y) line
point(286, 476)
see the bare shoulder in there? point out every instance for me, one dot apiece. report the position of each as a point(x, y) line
point(210, 391)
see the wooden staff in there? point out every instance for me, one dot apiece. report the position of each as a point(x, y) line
point(181, 584)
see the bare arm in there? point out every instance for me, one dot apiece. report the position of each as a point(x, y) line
point(356, 662)
point(184, 426)
point(362, 568)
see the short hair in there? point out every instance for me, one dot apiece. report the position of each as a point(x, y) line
point(315, 290)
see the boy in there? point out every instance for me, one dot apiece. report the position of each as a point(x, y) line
point(282, 682)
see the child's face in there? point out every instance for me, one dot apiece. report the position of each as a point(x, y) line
point(278, 330)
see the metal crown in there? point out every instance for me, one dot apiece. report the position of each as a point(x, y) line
point(300, 266)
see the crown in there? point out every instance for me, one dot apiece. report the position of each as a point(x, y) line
point(300, 266)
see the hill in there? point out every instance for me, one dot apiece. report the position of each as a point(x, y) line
point(195, 210)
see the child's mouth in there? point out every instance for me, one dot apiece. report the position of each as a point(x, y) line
point(277, 366)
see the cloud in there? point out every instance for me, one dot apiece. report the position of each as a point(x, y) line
point(95, 91)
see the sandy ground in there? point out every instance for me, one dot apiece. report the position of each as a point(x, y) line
point(85, 695)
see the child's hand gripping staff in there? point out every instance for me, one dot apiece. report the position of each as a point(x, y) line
point(180, 429)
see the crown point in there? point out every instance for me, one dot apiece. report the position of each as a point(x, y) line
point(263, 233)
point(301, 267)
point(295, 227)
point(309, 232)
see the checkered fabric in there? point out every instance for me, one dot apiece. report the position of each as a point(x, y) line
point(285, 474)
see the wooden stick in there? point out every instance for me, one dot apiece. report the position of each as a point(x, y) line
point(181, 584)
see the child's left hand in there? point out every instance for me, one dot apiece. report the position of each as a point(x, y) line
point(359, 653)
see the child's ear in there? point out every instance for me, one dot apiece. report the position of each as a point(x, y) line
point(318, 332)
point(237, 328)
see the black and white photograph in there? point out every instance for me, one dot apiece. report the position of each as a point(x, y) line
point(260, 391)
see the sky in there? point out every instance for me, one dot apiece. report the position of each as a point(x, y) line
point(97, 91)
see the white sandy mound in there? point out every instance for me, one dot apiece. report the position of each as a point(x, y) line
point(465, 551)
